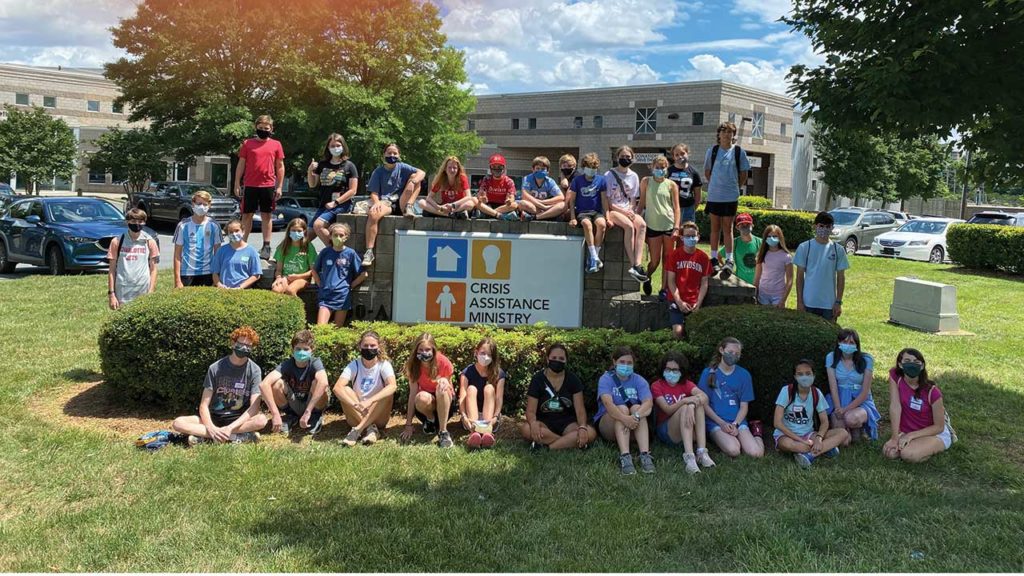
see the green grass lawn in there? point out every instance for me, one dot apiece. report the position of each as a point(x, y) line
point(74, 498)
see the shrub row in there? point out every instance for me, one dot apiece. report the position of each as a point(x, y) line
point(757, 202)
point(987, 247)
point(796, 225)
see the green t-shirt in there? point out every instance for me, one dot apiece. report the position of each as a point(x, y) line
point(746, 257)
point(296, 262)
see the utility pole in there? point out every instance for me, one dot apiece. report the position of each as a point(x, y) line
point(963, 195)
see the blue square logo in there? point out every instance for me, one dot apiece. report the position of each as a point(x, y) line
point(447, 258)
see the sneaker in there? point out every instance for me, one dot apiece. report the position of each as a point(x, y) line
point(444, 440)
point(371, 435)
point(287, 423)
point(410, 210)
point(245, 437)
point(487, 440)
point(636, 274)
point(430, 427)
point(368, 257)
point(626, 464)
point(461, 215)
point(510, 217)
point(316, 425)
point(265, 252)
point(647, 288)
point(640, 271)
point(704, 459)
point(474, 440)
point(691, 463)
point(352, 438)
point(832, 453)
point(600, 264)
point(716, 267)
point(527, 217)
point(804, 460)
point(592, 267)
point(662, 296)
point(756, 428)
point(194, 440)
point(647, 463)
point(727, 270)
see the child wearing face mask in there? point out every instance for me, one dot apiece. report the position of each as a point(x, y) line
point(746, 247)
point(366, 389)
point(542, 198)
point(555, 414)
point(679, 407)
point(623, 197)
point(133, 257)
point(481, 395)
point(730, 390)
point(917, 411)
point(336, 179)
point(850, 372)
point(496, 197)
point(295, 258)
point(229, 409)
point(659, 203)
point(237, 265)
point(261, 170)
point(296, 391)
point(624, 402)
point(196, 240)
point(337, 271)
point(431, 390)
point(688, 180)
point(794, 420)
point(688, 270)
point(587, 206)
point(821, 272)
point(773, 275)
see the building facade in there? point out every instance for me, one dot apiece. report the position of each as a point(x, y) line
point(650, 119)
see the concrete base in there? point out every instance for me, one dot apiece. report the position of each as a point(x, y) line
point(925, 306)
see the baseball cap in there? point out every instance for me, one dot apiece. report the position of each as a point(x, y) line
point(497, 159)
point(744, 218)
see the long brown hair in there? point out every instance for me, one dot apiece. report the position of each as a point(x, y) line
point(287, 242)
point(441, 180)
point(413, 365)
point(769, 230)
point(334, 137)
point(383, 354)
point(494, 370)
point(924, 384)
point(716, 358)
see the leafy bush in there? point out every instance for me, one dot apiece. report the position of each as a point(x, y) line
point(756, 202)
point(158, 349)
point(521, 349)
point(987, 246)
point(773, 341)
point(797, 225)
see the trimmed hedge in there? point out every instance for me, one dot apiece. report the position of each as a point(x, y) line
point(158, 349)
point(797, 225)
point(521, 349)
point(987, 247)
point(756, 202)
point(773, 341)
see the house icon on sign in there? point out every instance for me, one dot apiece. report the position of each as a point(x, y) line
point(446, 259)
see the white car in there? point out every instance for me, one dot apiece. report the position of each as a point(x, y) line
point(919, 239)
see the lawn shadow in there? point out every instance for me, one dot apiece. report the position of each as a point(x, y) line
point(998, 275)
point(102, 401)
point(83, 375)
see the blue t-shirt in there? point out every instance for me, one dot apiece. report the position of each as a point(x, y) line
point(729, 391)
point(198, 243)
point(636, 388)
point(588, 193)
point(388, 184)
point(820, 263)
point(546, 189)
point(724, 185)
point(337, 269)
point(798, 417)
point(236, 266)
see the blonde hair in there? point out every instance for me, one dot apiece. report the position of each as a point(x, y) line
point(659, 160)
point(542, 160)
point(340, 226)
point(265, 119)
point(203, 195)
point(567, 158)
point(591, 160)
point(442, 173)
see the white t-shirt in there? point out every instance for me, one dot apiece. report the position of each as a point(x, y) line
point(616, 195)
point(367, 381)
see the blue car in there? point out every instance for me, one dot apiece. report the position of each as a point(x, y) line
point(63, 234)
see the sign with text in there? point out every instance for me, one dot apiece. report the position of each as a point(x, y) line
point(484, 278)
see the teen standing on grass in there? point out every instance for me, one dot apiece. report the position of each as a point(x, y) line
point(431, 391)
point(261, 169)
point(366, 390)
point(725, 171)
point(481, 394)
point(773, 277)
point(336, 179)
point(794, 420)
point(623, 191)
point(449, 193)
point(850, 372)
point(659, 203)
point(337, 272)
point(496, 197)
point(294, 260)
point(133, 257)
point(919, 421)
point(296, 391)
point(821, 272)
point(237, 265)
point(555, 414)
point(393, 189)
point(623, 403)
point(587, 206)
point(730, 391)
point(679, 408)
point(687, 280)
point(688, 180)
point(196, 240)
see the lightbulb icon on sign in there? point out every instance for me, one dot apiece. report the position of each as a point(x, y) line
point(492, 255)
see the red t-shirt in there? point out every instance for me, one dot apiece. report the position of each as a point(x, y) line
point(497, 190)
point(444, 370)
point(449, 194)
point(672, 393)
point(261, 158)
point(690, 269)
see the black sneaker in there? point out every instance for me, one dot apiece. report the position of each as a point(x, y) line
point(444, 440)
point(318, 424)
point(647, 288)
point(265, 252)
point(430, 427)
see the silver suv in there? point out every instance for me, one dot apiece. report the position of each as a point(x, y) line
point(855, 228)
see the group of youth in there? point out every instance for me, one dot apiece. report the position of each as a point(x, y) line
point(686, 415)
point(655, 211)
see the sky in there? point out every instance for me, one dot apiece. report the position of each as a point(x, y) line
point(510, 45)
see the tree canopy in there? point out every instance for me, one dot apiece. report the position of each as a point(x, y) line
point(135, 156)
point(36, 146)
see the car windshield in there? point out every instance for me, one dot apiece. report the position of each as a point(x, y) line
point(191, 189)
point(844, 218)
point(991, 219)
point(924, 227)
point(307, 202)
point(77, 211)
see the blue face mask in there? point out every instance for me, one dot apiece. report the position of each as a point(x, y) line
point(672, 376)
point(847, 349)
point(822, 232)
point(236, 237)
point(658, 173)
point(391, 159)
point(540, 174)
point(296, 235)
point(590, 172)
point(690, 241)
point(805, 380)
point(624, 370)
point(772, 241)
point(302, 355)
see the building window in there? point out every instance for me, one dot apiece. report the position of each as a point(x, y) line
point(97, 176)
point(646, 120)
point(814, 185)
point(515, 123)
point(732, 117)
point(49, 101)
point(698, 118)
point(757, 131)
point(598, 121)
point(782, 128)
point(94, 105)
point(177, 171)
point(21, 99)
point(532, 123)
point(577, 122)
point(814, 162)
point(471, 125)
point(118, 108)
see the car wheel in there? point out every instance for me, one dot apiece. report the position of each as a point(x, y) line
point(851, 245)
point(6, 266)
point(937, 255)
point(55, 260)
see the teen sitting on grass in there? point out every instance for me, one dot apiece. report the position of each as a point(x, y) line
point(366, 389)
point(295, 258)
point(920, 428)
point(679, 407)
point(850, 372)
point(481, 394)
point(794, 420)
point(431, 391)
point(555, 414)
point(730, 391)
point(623, 403)
point(296, 391)
point(229, 409)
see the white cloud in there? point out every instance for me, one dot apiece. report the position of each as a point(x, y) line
point(494, 64)
point(582, 71)
point(767, 10)
point(729, 44)
point(758, 74)
point(60, 32)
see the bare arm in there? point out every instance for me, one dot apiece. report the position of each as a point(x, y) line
point(676, 210)
point(703, 292)
point(238, 176)
point(789, 285)
point(612, 411)
point(154, 250)
point(390, 385)
point(799, 288)
point(833, 389)
point(267, 391)
point(499, 398)
point(279, 169)
point(177, 266)
point(642, 203)
point(353, 185)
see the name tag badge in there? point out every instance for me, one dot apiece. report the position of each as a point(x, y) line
point(732, 401)
point(554, 405)
point(245, 258)
point(916, 403)
point(330, 262)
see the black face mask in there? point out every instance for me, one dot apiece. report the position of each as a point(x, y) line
point(567, 172)
point(135, 227)
point(624, 162)
point(263, 134)
point(241, 350)
point(369, 353)
point(556, 366)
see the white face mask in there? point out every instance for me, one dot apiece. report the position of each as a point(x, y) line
point(336, 151)
point(200, 209)
point(236, 237)
point(483, 359)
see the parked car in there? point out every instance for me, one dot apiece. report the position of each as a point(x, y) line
point(279, 221)
point(172, 201)
point(855, 228)
point(901, 217)
point(289, 207)
point(61, 233)
point(7, 195)
point(997, 217)
point(918, 239)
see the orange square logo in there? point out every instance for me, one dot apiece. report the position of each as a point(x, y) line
point(446, 302)
point(492, 259)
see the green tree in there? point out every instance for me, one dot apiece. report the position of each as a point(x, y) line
point(919, 68)
point(36, 147)
point(135, 156)
point(375, 71)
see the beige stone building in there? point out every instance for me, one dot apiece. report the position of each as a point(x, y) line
point(651, 119)
point(84, 99)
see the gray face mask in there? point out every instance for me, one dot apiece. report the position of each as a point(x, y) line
point(730, 358)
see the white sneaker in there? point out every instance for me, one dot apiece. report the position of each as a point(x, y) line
point(410, 211)
point(704, 459)
point(691, 464)
point(371, 435)
point(352, 438)
point(368, 257)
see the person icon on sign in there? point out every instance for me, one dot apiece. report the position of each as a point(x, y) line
point(445, 300)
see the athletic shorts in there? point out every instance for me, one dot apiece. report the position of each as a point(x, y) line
point(222, 420)
point(200, 280)
point(258, 197)
point(657, 233)
point(711, 426)
point(558, 426)
point(592, 216)
point(946, 436)
point(721, 208)
point(328, 214)
point(676, 317)
point(663, 435)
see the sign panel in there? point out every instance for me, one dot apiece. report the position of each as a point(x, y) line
point(484, 278)
point(755, 161)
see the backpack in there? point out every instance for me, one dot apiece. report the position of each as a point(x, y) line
point(815, 396)
point(714, 154)
point(153, 441)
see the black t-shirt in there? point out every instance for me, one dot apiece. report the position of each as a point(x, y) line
point(473, 378)
point(300, 380)
point(334, 179)
point(686, 179)
point(555, 407)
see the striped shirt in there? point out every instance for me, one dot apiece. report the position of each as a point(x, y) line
point(198, 243)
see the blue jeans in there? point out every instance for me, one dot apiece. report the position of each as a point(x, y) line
point(689, 214)
point(825, 313)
